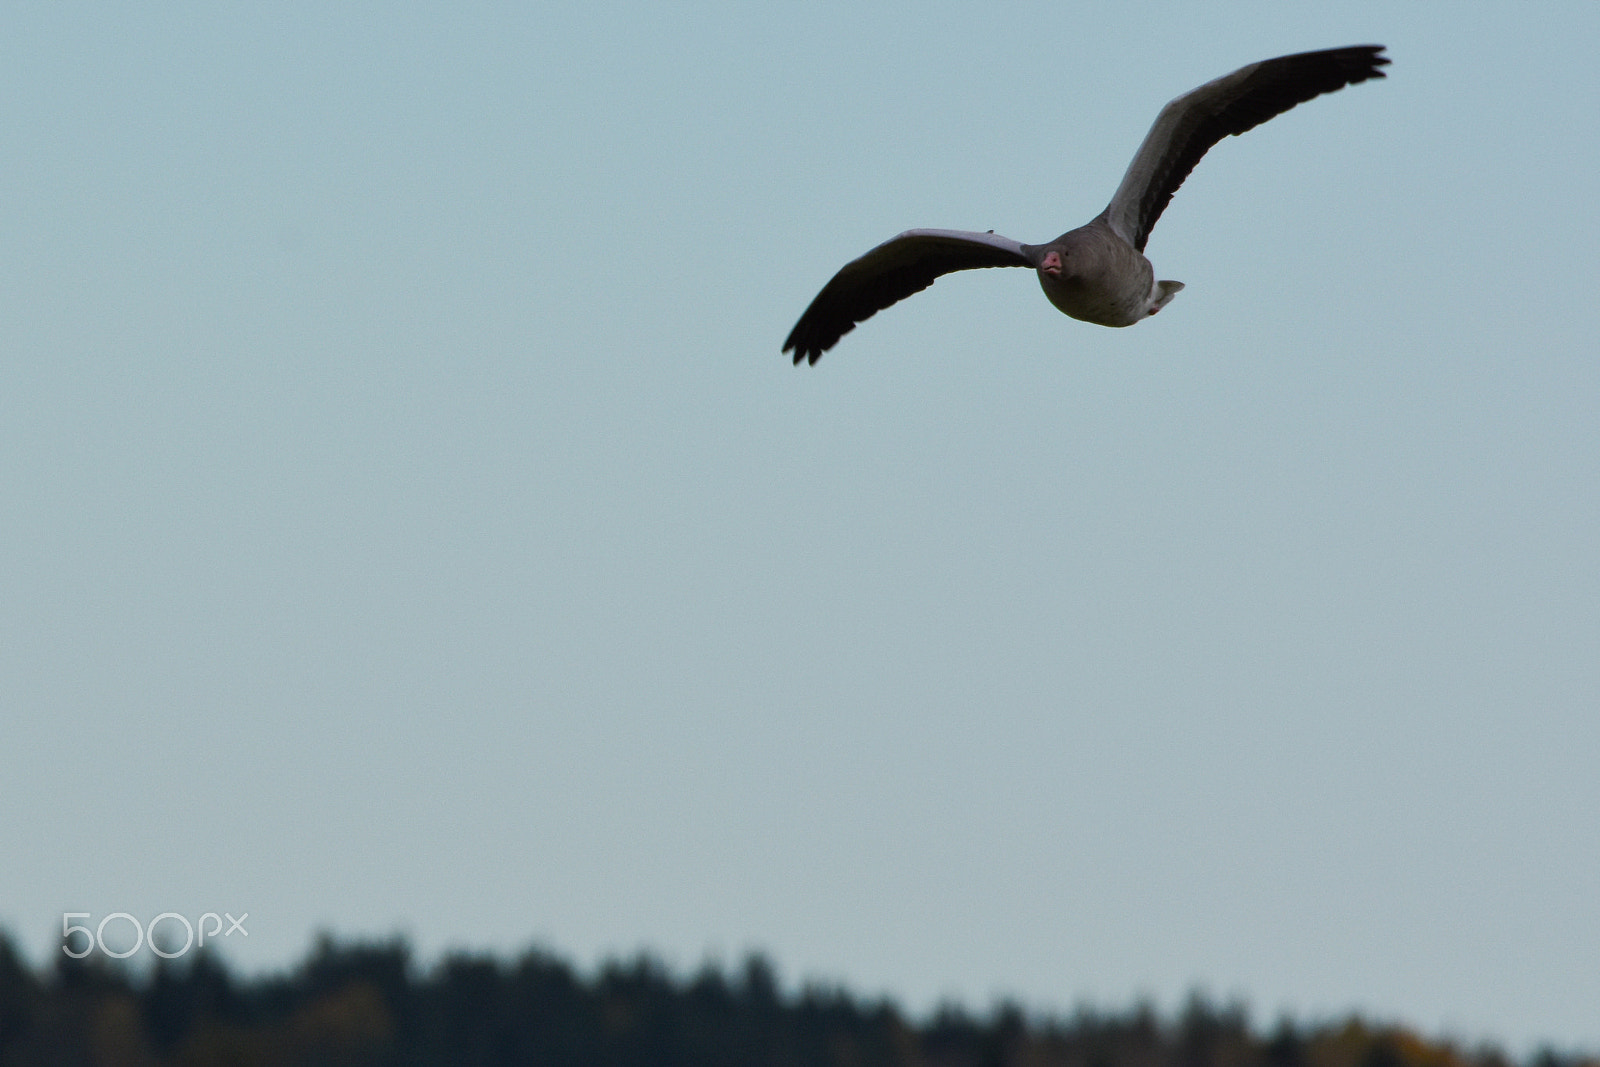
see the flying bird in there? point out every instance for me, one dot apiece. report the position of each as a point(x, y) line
point(1097, 273)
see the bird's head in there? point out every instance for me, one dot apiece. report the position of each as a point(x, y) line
point(1054, 263)
point(1070, 260)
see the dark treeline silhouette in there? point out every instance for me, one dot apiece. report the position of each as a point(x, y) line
point(370, 1004)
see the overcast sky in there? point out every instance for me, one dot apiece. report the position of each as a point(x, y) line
point(408, 521)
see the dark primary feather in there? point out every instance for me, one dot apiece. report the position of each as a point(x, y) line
point(894, 270)
point(1232, 104)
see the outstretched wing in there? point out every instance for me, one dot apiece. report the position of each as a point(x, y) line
point(889, 273)
point(1234, 103)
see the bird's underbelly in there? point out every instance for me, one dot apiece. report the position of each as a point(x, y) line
point(1106, 301)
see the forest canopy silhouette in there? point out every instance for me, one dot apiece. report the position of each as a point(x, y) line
point(372, 1003)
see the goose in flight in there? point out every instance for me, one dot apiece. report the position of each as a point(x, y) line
point(1097, 272)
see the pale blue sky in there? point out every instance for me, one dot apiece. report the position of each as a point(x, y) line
point(410, 523)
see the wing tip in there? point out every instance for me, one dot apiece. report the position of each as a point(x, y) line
point(807, 352)
point(1365, 61)
point(1376, 60)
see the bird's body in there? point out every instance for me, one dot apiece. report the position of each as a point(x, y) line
point(1097, 272)
point(1098, 277)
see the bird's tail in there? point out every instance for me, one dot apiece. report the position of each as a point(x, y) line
point(1162, 294)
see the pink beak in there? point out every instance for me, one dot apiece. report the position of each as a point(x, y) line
point(1051, 264)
